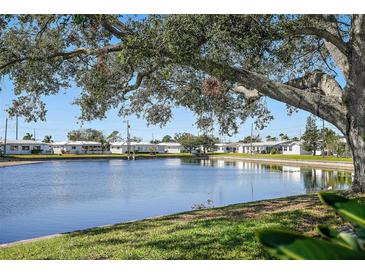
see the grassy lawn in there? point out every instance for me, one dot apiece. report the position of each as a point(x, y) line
point(287, 157)
point(81, 156)
point(220, 233)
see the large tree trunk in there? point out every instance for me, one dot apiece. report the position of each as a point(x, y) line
point(354, 99)
point(357, 145)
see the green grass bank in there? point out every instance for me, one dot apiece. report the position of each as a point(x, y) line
point(219, 233)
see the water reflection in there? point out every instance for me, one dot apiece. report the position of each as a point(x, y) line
point(314, 179)
point(55, 197)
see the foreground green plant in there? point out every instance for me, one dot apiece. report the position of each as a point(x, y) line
point(333, 244)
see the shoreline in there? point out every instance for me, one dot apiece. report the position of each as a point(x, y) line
point(348, 166)
point(17, 163)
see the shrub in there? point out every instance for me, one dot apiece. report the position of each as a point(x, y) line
point(36, 151)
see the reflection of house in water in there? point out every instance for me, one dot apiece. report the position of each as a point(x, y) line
point(312, 179)
point(220, 163)
point(292, 173)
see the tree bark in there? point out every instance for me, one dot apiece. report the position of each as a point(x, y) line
point(354, 98)
point(357, 145)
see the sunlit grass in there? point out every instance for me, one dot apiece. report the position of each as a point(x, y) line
point(220, 233)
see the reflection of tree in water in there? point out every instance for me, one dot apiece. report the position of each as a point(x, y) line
point(318, 179)
point(272, 167)
point(310, 180)
point(313, 179)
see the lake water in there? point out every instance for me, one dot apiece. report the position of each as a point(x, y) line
point(62, 196)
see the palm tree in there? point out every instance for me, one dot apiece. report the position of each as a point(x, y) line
point(47, 139)
point(28, 136)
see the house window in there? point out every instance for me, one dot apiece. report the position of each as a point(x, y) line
point(73, 147)
point(25, 148)
point(290, 148)
point(14, 148)
point(285, 148)
point(37, 147)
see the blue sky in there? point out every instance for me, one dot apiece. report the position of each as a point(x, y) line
point(62, 117)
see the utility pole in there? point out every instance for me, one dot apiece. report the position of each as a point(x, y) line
point(16, 128)
point(128, 140)
point(6, 135)
point(34, 134)
point(251, 138)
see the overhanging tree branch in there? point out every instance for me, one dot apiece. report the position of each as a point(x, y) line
point(65, 55)
point(327, 107)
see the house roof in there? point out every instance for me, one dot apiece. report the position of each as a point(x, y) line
point(132, 144)
point(76, 143)
point(266, 143)
point(170, 144)
point(227, 144)
point(294, 143)
point(23, 142)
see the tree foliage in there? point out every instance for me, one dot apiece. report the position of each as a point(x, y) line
point(255, 138)
point(208, 142)
point(330, 140)
point(28, 136)
point(283, 137)
point(87, 134)
point(181, 60)
point(47, 139)
point(188, 141)
point(114, 136)
point(311, 136)
point(168, 139)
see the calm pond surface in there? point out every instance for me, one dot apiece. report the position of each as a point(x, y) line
point(62, 196)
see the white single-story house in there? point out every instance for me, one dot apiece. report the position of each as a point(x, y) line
point(25, 147)
point(260, 147)
point(172, 147)
point(136, 147)
point(118, 147)
point(226, 147)
point(297, 148)
point(77, 147)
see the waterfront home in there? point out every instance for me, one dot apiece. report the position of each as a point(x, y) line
point(172, 147)
point(297, 148)
point(226, 147)
point(136, 147)
point(24, 147)
point(77, 147)
point(261, 147)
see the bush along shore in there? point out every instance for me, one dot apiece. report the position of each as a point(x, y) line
point(217, 233)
